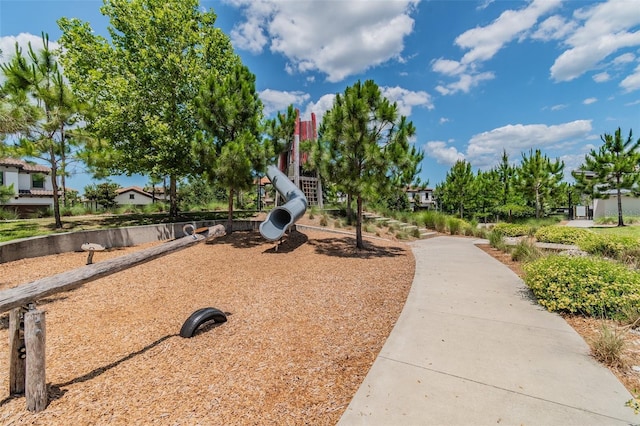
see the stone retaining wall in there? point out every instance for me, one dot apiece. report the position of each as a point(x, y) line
point(115, 237)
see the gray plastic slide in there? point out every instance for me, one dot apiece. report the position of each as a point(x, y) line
point(282, 217)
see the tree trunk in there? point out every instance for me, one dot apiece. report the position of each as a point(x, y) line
point(537, 203)
point(359, 243)
point(349, 211)
point(229, 227)
point(173, 209)
point(54, 186)
point(620, 219)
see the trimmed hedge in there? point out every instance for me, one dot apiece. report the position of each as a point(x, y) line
point(562, 234)
point(613, 246)
point(590, 286)
point(512, 229)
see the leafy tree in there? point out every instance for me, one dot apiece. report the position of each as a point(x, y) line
point(364, 146)
point(43, 108)
point(280, 130)
point(506, 175)
point(103, 194)
point(144, 82)
point(230, 111)
point(488, 193)
point(457, 190)
point(6, 192)
point(538, 178)
point(613, 168)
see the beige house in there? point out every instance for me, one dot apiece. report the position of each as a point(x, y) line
point(133, 195)
point(421, 198)
point(32, 186)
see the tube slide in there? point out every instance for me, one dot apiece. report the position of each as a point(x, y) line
point(282, 217)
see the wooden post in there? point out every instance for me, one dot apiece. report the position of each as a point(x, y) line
point(35, 384)
point(17, 352)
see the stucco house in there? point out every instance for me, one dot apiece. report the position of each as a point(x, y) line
point(421, 198)
point(32, 186)
point(133, 195)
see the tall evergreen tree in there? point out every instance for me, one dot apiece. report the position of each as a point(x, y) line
point(538, 178)
point(144, 82)
point(42, 110)
point(364, 146)
point(230, 111)
point(456, 192)
point(613, 168)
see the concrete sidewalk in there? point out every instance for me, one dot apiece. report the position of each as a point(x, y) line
point(472, 347)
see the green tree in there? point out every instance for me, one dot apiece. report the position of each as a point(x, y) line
point(230, 112)
point(280, 130)
point(144, 82)
point(613, 168)
point(102, 194)
point(487, 193)
point(457, 190)
point(364, 146)
point(538, 178)
point(43, 110)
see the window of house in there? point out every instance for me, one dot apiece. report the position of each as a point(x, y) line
point(132, 196)
point(37, 181)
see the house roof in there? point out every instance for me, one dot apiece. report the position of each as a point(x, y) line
point(133, 189)
point(23, 165)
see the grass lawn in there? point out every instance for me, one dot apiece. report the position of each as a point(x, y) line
point(625, 231)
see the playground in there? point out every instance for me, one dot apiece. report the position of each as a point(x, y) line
point(305, 323)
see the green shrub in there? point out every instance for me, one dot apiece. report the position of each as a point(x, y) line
point(415, 233)
point(454, 225)
point(402, 235)
point(440, 223)
point(608, 347)
point(525, 251)
point(429, 219)
point(590, 286)
point(608, 245)
point(512, 229)
point(496, 240)
point(8, 214)
point(562, 234)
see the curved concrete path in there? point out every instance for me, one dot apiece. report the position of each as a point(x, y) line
point(471, 347)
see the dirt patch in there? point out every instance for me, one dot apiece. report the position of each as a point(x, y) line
point(589, 328)
point(305, 323)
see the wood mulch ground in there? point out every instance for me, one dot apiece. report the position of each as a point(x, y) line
point(305, 324)
point(590, 329)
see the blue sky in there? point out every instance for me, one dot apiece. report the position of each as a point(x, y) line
point(474, 76)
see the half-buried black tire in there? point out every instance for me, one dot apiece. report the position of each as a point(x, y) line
point(200, 317)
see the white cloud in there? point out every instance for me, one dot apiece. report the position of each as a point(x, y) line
point(484, 149)
point(624, 59)
point(465, 83)
point(448, 67)
point(590, 101)
point(482, 43)
point(632, 81)
point(8, 45)
point(442, 153)
point(601, 77)
point(484, 4)
point(559, 107)
point(324, 104)
point(338, 41)
point(443, 120)
point(275, 100)
point(407, 99)
point(553, 28)
point(607, 28)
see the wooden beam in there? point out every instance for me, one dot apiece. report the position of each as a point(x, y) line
point(17, 352)
point(35, 390)
point(30, 292)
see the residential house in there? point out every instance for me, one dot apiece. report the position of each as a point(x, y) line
point(32, 185)
point(421, 198)
point(133, 195)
